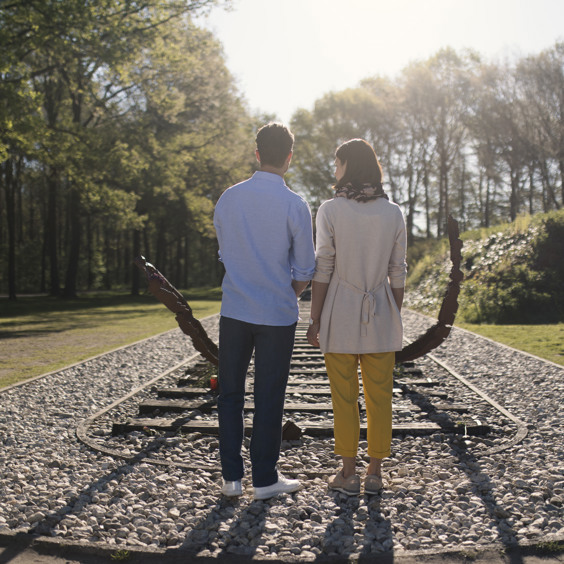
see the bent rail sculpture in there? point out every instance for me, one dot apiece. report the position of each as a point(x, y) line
point(166, 293)
point(436, 334)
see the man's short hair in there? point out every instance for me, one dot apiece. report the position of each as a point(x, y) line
point(274, 143)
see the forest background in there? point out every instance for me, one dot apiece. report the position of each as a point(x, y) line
point(120, 126)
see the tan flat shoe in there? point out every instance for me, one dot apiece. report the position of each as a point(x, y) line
point(372, 484)
point(348, 486)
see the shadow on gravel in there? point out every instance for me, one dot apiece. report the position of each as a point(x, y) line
point(482, 485)
point(249, 525)
point(45, 526)
point(76, 503)
point(378, 534)
point(227, 542)
point(339, 538)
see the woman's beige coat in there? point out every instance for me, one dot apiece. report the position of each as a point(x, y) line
point(360, 252)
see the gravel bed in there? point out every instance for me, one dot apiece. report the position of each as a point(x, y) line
point(441, 492)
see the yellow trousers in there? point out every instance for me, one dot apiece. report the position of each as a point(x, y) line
point(377, 372)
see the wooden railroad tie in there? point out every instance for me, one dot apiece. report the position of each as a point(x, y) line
point(182, 425)
point(179, 406)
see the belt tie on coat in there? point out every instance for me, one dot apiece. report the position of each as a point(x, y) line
point(369, 308)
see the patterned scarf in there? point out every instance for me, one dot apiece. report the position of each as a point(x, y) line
point(364, 193)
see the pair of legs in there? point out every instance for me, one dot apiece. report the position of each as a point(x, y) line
point(377, 381)
point(273, 346)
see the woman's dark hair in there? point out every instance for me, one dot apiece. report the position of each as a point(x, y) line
point(362, 164)
point(274, 143)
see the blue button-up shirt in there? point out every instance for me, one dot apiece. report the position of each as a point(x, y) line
point(265, 240)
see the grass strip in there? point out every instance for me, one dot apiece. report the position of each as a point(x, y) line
point(545, 341)
point(43, 334)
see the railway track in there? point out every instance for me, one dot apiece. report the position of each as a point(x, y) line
point(172, 420)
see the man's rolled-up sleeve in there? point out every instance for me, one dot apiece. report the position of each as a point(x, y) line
point(302, 255)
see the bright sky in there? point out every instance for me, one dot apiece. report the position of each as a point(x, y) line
point(285, 54)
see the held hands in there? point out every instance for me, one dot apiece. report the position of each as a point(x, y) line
point(313, 334)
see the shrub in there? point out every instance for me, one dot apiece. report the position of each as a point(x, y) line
point(513, 274)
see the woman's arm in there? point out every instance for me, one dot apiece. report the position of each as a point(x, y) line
point(398, 296)
point(318, 293)
point(397, 267)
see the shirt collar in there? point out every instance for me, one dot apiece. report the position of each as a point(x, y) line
point(268, 177)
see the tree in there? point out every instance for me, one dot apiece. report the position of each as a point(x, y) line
point(190, 136)
point(20, 128)
point(541, 84)
point(80, 59)
point(336, 118)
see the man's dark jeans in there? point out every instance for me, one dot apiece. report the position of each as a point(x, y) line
point(273, 347)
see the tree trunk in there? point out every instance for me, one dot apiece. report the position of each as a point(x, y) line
point(440, 210)
point(410, 205)
point(186, 268)
point(427, 201)
point(487, 210)
point(446, 201)
point(146, 244)
point(74, 203)
point(74, 244)
point(43, 283)
point(135, 282)
point(531, 189)
point(126, 259)
point(178, 262)
point(51, 233)
point(463, 196)
point(481, 196)
point(108, 259)
point(561, 166)
point(551, 195)
point(514, 196)
point(9, 191)
point(89, 254)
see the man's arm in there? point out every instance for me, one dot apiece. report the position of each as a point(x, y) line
point(302, 252)
point(299, 286)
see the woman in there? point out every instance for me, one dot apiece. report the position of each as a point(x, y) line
point(357, 294)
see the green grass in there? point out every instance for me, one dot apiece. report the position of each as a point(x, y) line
point(550, 547)
point(42, 334)
point(546, 341)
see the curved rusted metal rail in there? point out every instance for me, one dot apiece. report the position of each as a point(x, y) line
point(435, 335)
point(166, 293)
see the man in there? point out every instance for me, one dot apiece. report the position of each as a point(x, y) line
point(265, 240)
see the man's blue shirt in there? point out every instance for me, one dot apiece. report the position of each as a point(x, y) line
point(265, 240)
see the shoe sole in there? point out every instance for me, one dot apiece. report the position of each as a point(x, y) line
point(346, 492)
point(232, 493)
point(263, 497)
point(372, 492)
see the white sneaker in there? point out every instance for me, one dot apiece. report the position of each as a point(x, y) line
point(232, 489)
point(284, 485)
